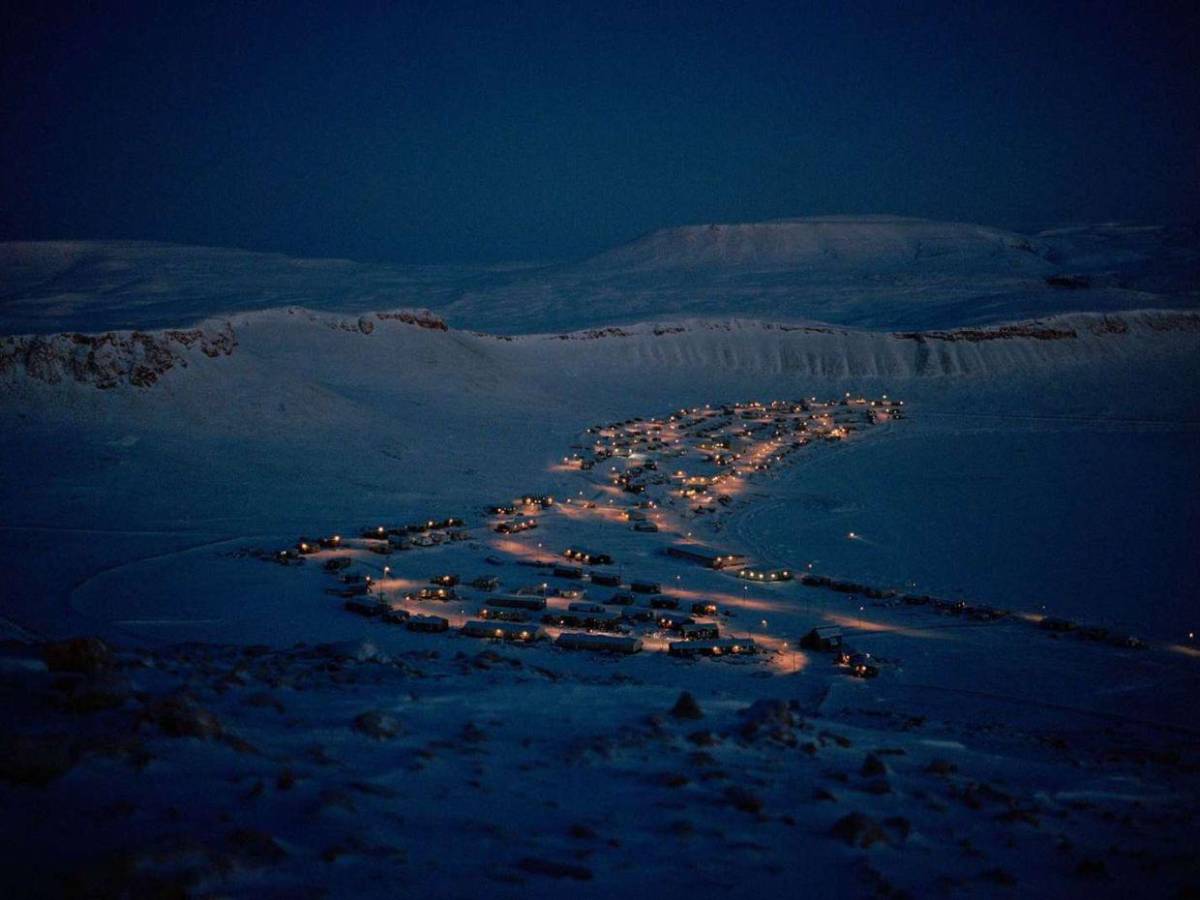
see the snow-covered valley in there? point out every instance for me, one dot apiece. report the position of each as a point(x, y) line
point(1045, 466)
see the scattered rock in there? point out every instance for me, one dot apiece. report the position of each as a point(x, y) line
point(371, 789)
point(354, 846)
point(335, 852)
point(256, 790)
point(85, 655)
point(318, 754)
point(671, 779)
point(942, 767)
point(256, 848)
point(335, 798)
point(1091, 869)
point(167, 868)
point(975, 795)
point(873, 765)
point(686, 707)
point(553, 869)
point(472, 733)
point(351, 651)
point(878, 786)
point(742, 799)
point(35, 759)
point(681, 828)
point(838, 739)
point(87, 695)
point(118, 745)
point(899, 826)
point(264, 699)
point(489, 658)
point(1023, 816)
point(377, 724)
point(772, 719)
point(998, 876)
point(858, 830)
point(178, 715)
point(241, 745)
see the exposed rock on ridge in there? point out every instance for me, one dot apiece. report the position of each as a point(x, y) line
point(106, 360)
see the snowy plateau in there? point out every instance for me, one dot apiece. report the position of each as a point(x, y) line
point(877, 537)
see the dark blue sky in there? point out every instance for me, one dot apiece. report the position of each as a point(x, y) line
point(435, 132)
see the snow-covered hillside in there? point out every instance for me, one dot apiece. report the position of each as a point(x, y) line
point(49, 287)
point(316, 416)
point(994, 546)
point(1148, 257)
point(1034, 348)
point(863, 243)
point(874, 272)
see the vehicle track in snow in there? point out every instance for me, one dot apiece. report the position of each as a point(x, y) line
point(71, 599)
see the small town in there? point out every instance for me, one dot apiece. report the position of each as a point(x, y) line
point(629, 562)
point(511, 451)
point(524, 574)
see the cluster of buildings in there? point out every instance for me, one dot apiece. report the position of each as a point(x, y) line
point(621, 622)
point(689, 463)
point(381, 539)
point(696, 455)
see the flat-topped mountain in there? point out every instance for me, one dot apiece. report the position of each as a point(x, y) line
point(872, 272)
point(867, 243)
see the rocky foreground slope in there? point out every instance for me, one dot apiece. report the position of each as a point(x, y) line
point(327, 769)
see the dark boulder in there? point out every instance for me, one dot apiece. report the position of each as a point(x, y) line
point(84, 655)
point(686, 707)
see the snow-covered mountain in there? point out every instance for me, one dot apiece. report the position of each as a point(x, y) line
point(827, 243)
point(171, 417)
point(875, 272)
point(97, 286)
point(871, 272)
point(300, 415)
point(1149, 258)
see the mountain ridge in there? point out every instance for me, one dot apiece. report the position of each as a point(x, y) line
point(141, 359)
point(874, 272)
point(804, 241)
